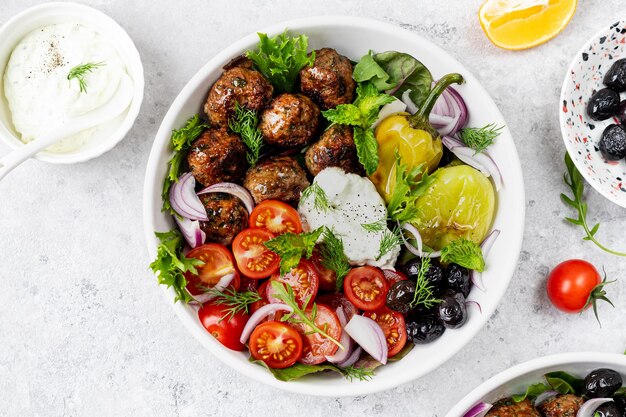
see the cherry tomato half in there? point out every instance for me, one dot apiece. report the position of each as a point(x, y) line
point(366, 287)
point(218, 261)
point(226, 330)
point(276, 344)
point(570, 284)
point(275, 217)
point(304, 281)
point(394, 328)
point(315, 346)
point(253, 258)
point(328, 277)
point(393, 276)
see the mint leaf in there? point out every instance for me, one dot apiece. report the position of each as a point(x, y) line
point(366, 149)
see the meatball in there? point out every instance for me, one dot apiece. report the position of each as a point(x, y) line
point(329, 81)
point(290, 120)
point(217, 156)
point(509, 408)
point(243, 85)
point(278, 178)
point(227, 217)
point(334, 149)
point(566, 405)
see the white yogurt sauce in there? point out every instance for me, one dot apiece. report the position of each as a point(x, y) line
point(40, 96)
point(353, 201)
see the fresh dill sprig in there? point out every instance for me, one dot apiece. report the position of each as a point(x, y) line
point(423, 289)
point(333, 256)
point(390, 239)
point(237, 302)
point(80, 71)
point(480, 138)
point(354, 372)
point(245, 123)
point(377, 226)
point(320, 199)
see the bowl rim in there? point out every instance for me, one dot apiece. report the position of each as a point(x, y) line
point(562, 119)
point(564, 359)
point(225, 55)
point(134, 68)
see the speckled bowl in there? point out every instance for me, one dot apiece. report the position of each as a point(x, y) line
point(581, 134)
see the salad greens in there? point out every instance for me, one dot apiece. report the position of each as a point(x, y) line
point(465, 253)
point(402, 203)
point(531, 392)
point(245, 122)
point(291, 247)
point(480, 138)
point(565, 383)
point(299, 370)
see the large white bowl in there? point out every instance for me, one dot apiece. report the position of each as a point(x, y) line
point(515, 380)
point(354, 37)
point(108, 134)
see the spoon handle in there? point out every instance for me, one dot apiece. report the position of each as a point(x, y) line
point(19, 155)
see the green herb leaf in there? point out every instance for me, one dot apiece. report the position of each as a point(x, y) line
point(533, 391)
point(344, 114)
point(465, 253)
point(598, 293)
point(565, 383)
point(366, 149)
point(334, 257)
point(236, 302)
point(170, 264)
point(367, 69)
point(369, 101)
point(292, 247)
point(390, 240)
point(320, 199)
point(245, 123)
point(281, 58)
point(300, 370)
point(480, 138)
point(80, 71)
point(377, 226)
point(424, 294)
point(354, 372)
point(407, 189)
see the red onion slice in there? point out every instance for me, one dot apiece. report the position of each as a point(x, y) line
point(418, 239)
point(368, 334)
point(258, 316)
point(589, 407)
point(232, 189)
point(544, 396)
point(220, 286)
point(479, 410)
point(486, 245)
point(184, 200)
point(475, 304)
point(449, 114)
point(478, 160)
point(191, 231)
point(356, 354)
point(346, 341)
point(406, 99)
point(388, 109)
point(435, 254)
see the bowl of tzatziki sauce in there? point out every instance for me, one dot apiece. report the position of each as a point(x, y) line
point(59, 61)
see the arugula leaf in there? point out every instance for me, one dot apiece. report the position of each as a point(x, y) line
point(465, 253)
point(291, 247)
point(366, 149)
point(531, 392)
point(334, 257)
point(480, 138)
point(170, 264)
point(565, 383)
point(281, 58)
point(402, 202)
point(245, 123)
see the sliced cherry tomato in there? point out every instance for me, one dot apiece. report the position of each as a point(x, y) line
point(315, 346)
point(328, 277)
point(366, 287)
point(253, 258)
point(276, 217)
point(262, 290)
point(394, 328)
point(334, 301)
point(218, 261)
point(393, 276)
point(304, 281)
point(226, 330)
point(276, 344)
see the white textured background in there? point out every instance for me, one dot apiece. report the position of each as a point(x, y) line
point(84, 330)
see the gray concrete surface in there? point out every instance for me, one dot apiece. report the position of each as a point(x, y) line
point(84, 330)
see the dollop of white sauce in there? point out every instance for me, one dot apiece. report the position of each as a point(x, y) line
point(40, 96)
point(353, 201)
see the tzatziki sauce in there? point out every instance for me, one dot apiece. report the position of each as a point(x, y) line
point(36, 85)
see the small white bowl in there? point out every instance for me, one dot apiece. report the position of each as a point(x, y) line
point(515, 380)
point(107, 135)
point(580, 133)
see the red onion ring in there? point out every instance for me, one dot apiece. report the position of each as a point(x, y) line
point(474, 303)
point(544, 396)
point(258, 316)
point(346, 341)
point(486, 245)
point(184, 200)
point(406, 99)
point(418, 239)
point(356, 354)
point(220, 286)
point(191, 231)
point(478, 160)
point(479, 410)
point(368, 334)
point(232, 189)
point(589, 407)
point(435, 254)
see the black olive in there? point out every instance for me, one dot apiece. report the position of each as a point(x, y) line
point(446, 157)
point(400, 296)
point(613, 143)
point(602, 383)
point(615, 78)
point(603, 104)
point(621, 114)
point(424, 329)
point(608, 410)
point(620, 401)
point(452, 311)
point(457, 279)
point(434, 275)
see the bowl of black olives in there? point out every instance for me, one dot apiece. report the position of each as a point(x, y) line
point(593, 112)
point(570, 384)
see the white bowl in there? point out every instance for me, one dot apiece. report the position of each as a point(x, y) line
point(515, 380)
point(109, 134)
point(580, 133)
point(353, 37)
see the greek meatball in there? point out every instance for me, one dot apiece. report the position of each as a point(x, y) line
point(278, 178)
point(334, 149)
point(217, 156)
point(290, 120)
point(247, 87)
point(509, 408)
point(227, 217)
point(561, 406)
point(329, 81)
